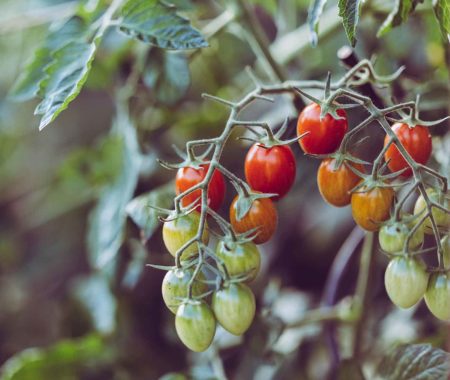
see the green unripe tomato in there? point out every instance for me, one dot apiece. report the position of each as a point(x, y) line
point(175, 286)
point(234, 307)
point(406, 281)
point(441, 218)
point(392, 237)
point(240, 259)
point(437, 296)
point(178, 232)
point(195, 325)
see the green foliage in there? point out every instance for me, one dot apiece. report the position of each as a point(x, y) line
point(350, 10)
point(314, 13)
point(167, 75)
point(107, 220)
point(399, 14)
point(64, 360)
point(146, 217)
point(442, 11)
point(158, 24)
point(414, 362)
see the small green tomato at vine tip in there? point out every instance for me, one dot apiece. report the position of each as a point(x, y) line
point(392, 236)
point(437, 296)
point(195, 325)
point(406, 281)
point(179, 231)
point(441, 218)
point(234, 307)
point(239, 258)
point(175, 287)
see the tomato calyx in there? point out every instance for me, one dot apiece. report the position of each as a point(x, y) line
point(244, 203)
point(188, 160)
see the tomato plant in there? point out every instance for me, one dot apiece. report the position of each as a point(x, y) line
point(437, 296)
point(406, 281)
point(261, 216)
point(178, 231)
point(371, 207)
point(417, 142)
point(240, 259)
point(322, 136)
point(270, 169)
point(188, 177)
point(393, 235)
point(234, 307)
point(441, 218)
point(195, 325)
point(335, 185)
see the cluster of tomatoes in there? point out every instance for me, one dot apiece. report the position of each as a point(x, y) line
point(270, 168)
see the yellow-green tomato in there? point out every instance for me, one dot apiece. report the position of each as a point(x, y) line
point(195, 325)
point(179, 231)
point(240, 259)
point(441, 218)
point(392, 237)
point(406, 281)
point(437, 296)
point(175, 286)
point(234, 307)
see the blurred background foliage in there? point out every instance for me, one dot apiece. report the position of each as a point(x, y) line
point(67, 311)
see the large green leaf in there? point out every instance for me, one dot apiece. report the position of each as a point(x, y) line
point(62, 361)
point(415, 362)
point(167, 74)
point(314, 12)
point(442, 11)
point(399, 14)
point(28, 84)
point(349, 10)
point(65, 76)
point(157, 23)
point(146, 217)
point(107, 220)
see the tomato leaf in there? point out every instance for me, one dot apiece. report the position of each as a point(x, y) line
point(399, 14)
point(167, 74)
point(158, 24)
point(415, 361)
point(107, 220)
point(314, 13)
point(442, 12)
point(28, 84)
point(145, 217)
point(349, 10)
point(64, 360)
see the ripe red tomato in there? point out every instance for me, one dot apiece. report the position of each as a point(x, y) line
point(371, 208)
point(417, 142)
point(335, 185)
point(270, 170)
point(262, 214)
point(188, 177)
point(324, 136)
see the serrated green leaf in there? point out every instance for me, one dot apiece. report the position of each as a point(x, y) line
point(167, 74)
point(145, 217)
point(398, 15)
point(158, 24)
point(61, 361)
point(349, 10)
point(442, 12)
point(65, 76)
point(314, 12)
point(107, 220)
point(28, 84)
point(415, 362)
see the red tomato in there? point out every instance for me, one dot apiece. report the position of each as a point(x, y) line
point(188, 177)
point(335, 185)
point(417, 142)
point(262, 214)
point(270, 170)
point(324, 136)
